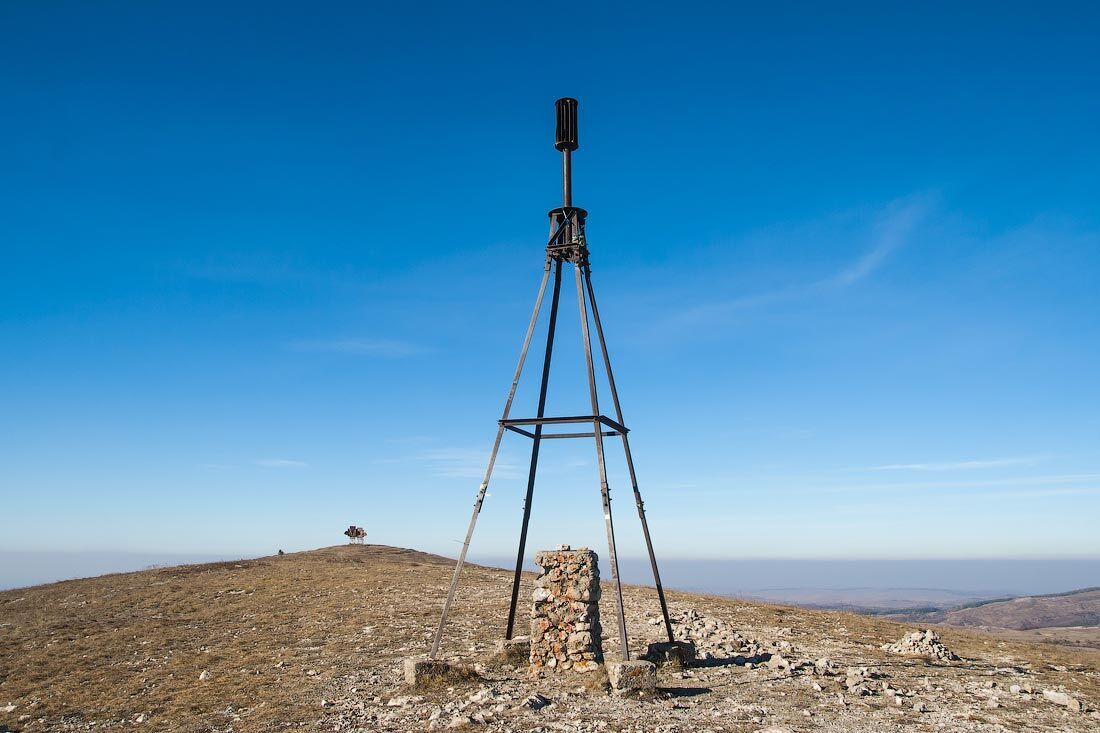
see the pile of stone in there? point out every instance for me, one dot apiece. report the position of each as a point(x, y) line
point(861, 680)
point(921, 644)
point(712, 637)
point(565, 615)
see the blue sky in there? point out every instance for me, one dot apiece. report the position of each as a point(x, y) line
point(266, 270)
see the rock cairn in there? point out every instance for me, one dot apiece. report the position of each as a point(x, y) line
point(921, 644)
point(565, 615)
point(713, 638)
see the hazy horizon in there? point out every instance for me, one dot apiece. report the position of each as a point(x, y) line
point(830, 582)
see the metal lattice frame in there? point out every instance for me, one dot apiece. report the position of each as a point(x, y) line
point(567, 244)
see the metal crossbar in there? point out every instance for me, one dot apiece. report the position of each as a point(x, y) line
point(620, 429)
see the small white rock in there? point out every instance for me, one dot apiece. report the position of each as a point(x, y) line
point(1063, 699)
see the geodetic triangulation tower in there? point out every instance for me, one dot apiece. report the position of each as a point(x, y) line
point(567, 244)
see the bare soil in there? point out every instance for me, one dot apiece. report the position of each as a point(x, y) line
point(314, 641)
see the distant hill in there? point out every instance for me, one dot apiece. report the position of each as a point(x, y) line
point(1075, 608)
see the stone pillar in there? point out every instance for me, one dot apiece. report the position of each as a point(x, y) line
point(565, 615)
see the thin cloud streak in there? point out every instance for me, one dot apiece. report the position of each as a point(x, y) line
point(892, 231)
point(1039, 493)
point(278, 463)
point(957, 465)
point(745, 486)
point(368, 346)
point(468, 464)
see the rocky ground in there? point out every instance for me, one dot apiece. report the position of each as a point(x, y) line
point(314, 641)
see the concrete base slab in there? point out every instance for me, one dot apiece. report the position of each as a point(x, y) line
point(635, 675)
point(514, 651)
point(423, 671)
point(677, 654)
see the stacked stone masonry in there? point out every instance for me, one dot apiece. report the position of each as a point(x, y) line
point(565, 615)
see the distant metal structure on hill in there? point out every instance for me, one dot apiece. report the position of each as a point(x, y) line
point(567, 244)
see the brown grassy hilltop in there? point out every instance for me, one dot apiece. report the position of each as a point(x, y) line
point(1079, 608)
point(313, 641)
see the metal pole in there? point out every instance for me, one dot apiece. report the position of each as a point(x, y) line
point(629, 459)
point(567, 178)
point(605, 492)
point(535, 442)
point(492, 461)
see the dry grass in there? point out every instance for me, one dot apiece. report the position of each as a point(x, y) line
point(119, 646)
point(447, 678)
point(275, 634)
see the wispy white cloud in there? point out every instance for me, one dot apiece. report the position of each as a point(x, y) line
point(891, 230)
point(468, 463)
point(278, 463)
point(1041, 493)
point(957, 465)
point(764, 486)
point(368, 346)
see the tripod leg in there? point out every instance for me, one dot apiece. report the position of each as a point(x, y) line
point(605, 491)
point(535, 443)
point(492, 461)
point(648, 542)
point(466, 545)
point(629, 459)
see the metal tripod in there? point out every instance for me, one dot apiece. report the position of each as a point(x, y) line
point(567, 244)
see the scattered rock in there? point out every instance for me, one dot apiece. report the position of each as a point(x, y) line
point(204, 676)
point(921, 644)
point(676, 654)
point(483, 695)
point(858, 680)
point(713, 638)
point(778, 662)
point(535, 702)
point(1064, 699)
